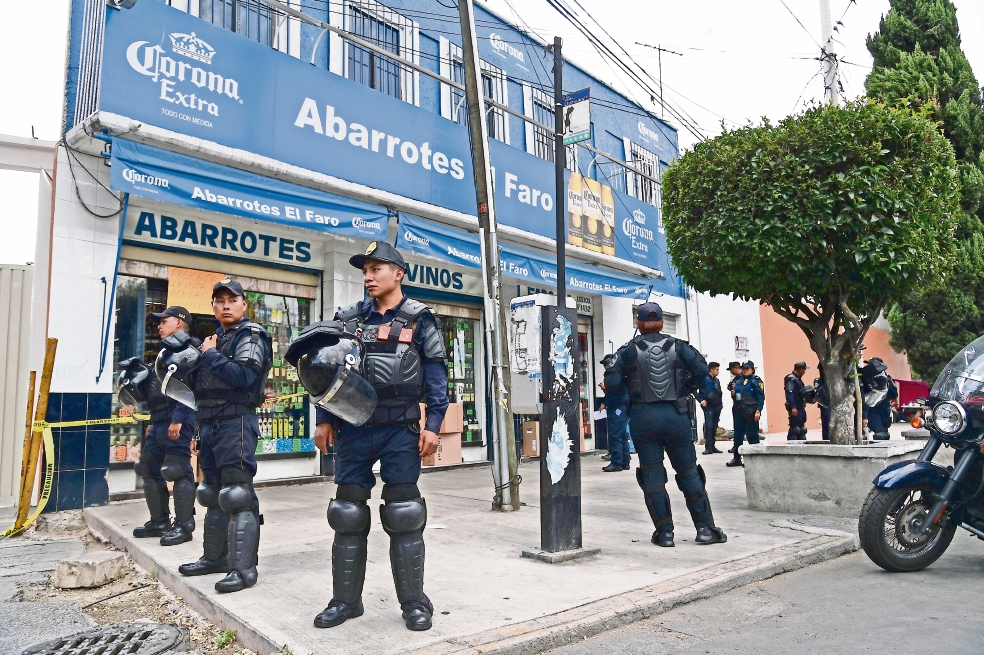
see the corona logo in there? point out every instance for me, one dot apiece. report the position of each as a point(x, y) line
point(639, 217)
point(191, 46)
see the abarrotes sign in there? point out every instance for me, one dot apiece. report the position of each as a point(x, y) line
point(169, 69)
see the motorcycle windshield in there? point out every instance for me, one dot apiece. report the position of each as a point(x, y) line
point(962, 380)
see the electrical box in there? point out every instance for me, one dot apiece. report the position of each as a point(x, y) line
point(525, 343)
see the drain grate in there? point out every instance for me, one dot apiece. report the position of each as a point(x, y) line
point(124, 639)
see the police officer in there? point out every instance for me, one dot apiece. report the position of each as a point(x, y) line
point(878, 390)
point(795, 404)
point(166, 454)
point(749, 395)
point(229, 385)
point(709, 396)
point(661, 373)
point(616, 406)
point(734, 368)
point(405, 362)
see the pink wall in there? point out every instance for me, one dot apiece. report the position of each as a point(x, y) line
point(784, 344)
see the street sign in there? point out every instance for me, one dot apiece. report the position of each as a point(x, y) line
point(577, 116)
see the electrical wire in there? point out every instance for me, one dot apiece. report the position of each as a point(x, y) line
point(75, 183)
point(800, 23)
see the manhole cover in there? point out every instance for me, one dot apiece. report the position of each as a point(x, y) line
point(125, 639)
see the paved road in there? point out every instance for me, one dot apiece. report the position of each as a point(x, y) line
point(845, 606)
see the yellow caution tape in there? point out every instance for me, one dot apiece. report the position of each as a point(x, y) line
point(49, 476)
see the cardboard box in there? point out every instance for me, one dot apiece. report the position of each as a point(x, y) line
point(531, 439)
point(454, 420)
point(448, 450)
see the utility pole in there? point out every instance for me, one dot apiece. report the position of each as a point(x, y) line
point(659, 58)
point(507, 490)
point(828, 58)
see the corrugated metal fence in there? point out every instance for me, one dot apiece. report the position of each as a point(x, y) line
point(15, 327)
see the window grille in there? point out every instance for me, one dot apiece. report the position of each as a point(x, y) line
point(637, 186)
point(493, 86)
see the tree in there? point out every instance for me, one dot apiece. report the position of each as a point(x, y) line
point(826, 217)
point(918, 63)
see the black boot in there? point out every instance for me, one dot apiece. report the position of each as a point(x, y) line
point(663, 539)
point(612, 468)
point(693, 485)
point(736, 461)
point(176, 535)
point(404, 522)
point(707, 535)
point(351, 522)
point(244, 536)
point(184, 514)
point(157, 497)
point(215, 541)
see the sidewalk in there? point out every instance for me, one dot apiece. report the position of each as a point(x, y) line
point(487, 598)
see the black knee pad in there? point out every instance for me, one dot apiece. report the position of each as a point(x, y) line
point(682, 475)
point(881, 436)
point(349, 518)
point(208, 495)
point(173, 468)
point(236, 498)
point(651, 478)
point(141, 468)
point(403, 516)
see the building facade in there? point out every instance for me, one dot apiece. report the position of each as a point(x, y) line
point(207, 138)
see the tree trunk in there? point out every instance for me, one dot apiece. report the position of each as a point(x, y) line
point(837, 366)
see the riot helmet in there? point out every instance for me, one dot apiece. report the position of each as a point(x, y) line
point(131, 387)
point(178, 359)
point(329, 365)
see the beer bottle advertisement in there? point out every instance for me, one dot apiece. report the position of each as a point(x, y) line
point(575, 210)
point(608, 220)
point(592, 211)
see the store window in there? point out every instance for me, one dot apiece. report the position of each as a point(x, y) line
point(645, 189)
point(284, 424)
point(463, 339)
point(585, 372)
point(493, 86)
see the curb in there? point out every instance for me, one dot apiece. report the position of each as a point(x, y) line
point(201, 603)
point(576, 624)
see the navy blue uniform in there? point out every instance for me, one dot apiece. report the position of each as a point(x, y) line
point(880, 416)
point(793, 387)
point(660, 373)
point(395, 447)
point(616, 406)
point(735, 408)
point(710, 392)
point(158, 445)
point(823, 400)
point(749, 398)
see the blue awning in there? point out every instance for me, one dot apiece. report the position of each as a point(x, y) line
point(457, 246)
point(170, 177)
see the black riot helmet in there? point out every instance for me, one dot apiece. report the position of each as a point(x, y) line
point(178, 359)
point(131, 387)
point(329, 364)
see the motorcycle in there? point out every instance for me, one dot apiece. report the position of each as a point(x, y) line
point(910, 516)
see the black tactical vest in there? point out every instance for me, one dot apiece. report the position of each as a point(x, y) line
point(392, 363)
point(657, 374)
point(217, 398)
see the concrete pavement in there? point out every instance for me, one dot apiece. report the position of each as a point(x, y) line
point(841, 607)
point(487, 598)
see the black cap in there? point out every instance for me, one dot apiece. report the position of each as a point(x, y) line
point(800, 365)
point(607, 358)
point(229, 284)
point(734, 364)
point(649, 311)
point(381, 252)
point(176, 312)
point(748, 364)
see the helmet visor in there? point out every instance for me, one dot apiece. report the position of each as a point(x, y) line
point(349, 397)
point(177, 390)
point(126, 399)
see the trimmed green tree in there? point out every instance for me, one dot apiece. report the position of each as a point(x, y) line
point(918, 63)
point(825, 217)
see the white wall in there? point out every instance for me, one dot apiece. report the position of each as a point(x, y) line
point(719, 320)
point(83, 250)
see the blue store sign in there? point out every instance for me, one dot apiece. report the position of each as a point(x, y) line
point(170, 177)
point(167, 68)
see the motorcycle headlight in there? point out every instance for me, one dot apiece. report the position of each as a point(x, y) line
point(949, 417)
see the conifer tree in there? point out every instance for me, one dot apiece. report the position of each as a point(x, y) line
point(918, 62)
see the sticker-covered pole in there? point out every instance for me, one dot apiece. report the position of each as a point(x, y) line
point(560, 427)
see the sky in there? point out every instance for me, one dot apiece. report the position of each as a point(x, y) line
point(738, 61)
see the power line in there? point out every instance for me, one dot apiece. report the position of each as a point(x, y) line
point(810, 34)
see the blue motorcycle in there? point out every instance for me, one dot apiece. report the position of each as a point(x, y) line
point(912, 513)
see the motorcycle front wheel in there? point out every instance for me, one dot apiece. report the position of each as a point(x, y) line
point(889, 529)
